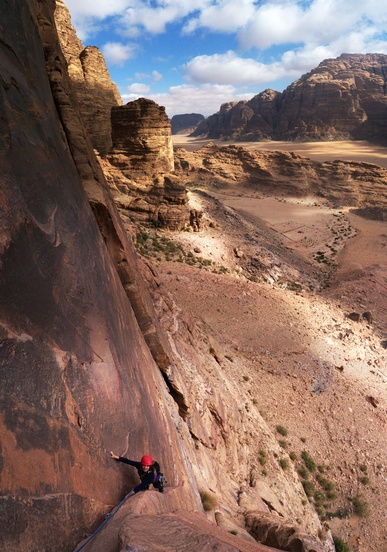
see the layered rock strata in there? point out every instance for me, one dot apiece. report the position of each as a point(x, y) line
point(140, 166)
point(95, 91)
point(341, 99)
point(361, 186)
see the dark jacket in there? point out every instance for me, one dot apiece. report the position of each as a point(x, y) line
point(147, 477)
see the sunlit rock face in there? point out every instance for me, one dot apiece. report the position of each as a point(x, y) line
point(139, 167)
point(91, 81)
point(142, 129)
point(77, 377)
point(341, 99)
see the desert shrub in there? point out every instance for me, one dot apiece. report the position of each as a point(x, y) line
point(341, 513)
point(209, 500)
point(319, 497)
point(284, 463)
point(282, 443)
point(282, 430)
point(340, 545)
point(262, 457)
point(308, 488)
point(325, 483)
point(293, 456)
point(360, 506)
point(303, 472)
point(308, 461)
point(365, 480)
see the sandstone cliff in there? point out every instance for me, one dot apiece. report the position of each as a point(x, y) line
point(343, 98)
point(76, 370)
point(96, 93)
point(139, 167)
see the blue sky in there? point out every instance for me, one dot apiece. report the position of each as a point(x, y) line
point(193, 55)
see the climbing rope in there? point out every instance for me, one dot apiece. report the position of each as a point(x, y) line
point(108, 517)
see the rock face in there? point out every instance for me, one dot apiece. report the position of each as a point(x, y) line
point(343, 98)
point(186, 123)
point(140, 165)
point(361, 186)
point(74, 364)
point(142, 131)
point(91, 81)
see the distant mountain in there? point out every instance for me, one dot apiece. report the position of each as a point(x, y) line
point(185, 123)
point(342, 99)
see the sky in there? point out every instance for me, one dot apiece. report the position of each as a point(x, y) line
point(191, 56)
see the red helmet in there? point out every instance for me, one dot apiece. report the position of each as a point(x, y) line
point(147, 460)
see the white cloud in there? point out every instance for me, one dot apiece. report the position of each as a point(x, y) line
point(138, 89)
point(187, 98)
point(319, 22)
point(230, 68)
point(156, 76)
point(226, 16)
point(117, 53)
point(296, 34)
point(154, 18)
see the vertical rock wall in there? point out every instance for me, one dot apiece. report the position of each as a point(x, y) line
point(77, 377)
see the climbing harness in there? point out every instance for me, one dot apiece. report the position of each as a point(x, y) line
point(108, 517)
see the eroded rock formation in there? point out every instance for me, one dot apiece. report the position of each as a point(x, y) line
point(96, 92)
point(358, 185)
point(343, 98)
point(140, 165)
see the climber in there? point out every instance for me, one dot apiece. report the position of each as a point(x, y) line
point(148, 471)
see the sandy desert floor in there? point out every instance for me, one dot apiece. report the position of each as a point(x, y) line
point(359, 151)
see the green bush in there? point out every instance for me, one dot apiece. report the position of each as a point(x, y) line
point(282, 430)
point(303, 472)
point(360, 506)
point(340, 545)
point(308, 461)
point(284, 463)
point(262, 457)
point(308, 488)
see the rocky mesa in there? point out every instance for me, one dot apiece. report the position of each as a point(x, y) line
point(342, 98)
